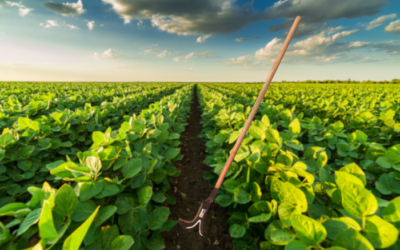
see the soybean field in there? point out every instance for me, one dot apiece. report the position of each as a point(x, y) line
point(113, 166)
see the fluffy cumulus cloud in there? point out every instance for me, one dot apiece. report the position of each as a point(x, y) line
point(22, 9)
point(90, 25)
point(110, 53)
point(317, 49)
point(379, 21)
point(242, 39)
point(202, 39)
point(194, 55)
point(393, 27)
point(65, 9)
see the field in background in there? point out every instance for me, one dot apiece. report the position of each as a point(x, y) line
point(89, 163)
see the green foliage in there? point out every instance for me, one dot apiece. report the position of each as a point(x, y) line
point(108, 162)
point(325, 161)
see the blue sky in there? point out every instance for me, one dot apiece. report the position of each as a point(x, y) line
point(192, 40)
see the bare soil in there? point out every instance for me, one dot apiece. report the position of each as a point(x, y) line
point(191, 184)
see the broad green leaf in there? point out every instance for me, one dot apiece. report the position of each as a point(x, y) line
point(240, 195)
point(104, 214)
point(122, 242)
point(342, 178)
point(98, 137)
point(261, 207)
point(272, 135)
point(278, 234)
point(5, 139)
point(66, 201)
point(391, 213)
point(109, 189)
point(156, 243)
point(388, 184)
point(132, 167)
point(355, 170)
point(242, 153)
point(335, 226)
point(158, 217)
point(84, 210)
point(350, 239)
point(223, 200)
point(231, 184)
point(285, 211)
point(291, 195)
point(380, 233)
point(237, 231)
point(74, 241)
point(308, 230)
point(358, 201)
point(172, 153)
point(296, 245)
point(90, 189)
point(256, 132)
point(145, 195)
point(12, 207)
point(294, 127)
point(31, 219)
point(47, 229)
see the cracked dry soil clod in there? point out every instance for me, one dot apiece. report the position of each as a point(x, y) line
point(191, 183)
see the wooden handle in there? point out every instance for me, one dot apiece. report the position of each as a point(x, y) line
point(258, 102)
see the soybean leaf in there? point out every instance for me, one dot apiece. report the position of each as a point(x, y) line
point(66, 201)
point(47, 229)
point(380, 233)
point(74, 241)
point(358, 201)
point(308, 230)
point(157, 218)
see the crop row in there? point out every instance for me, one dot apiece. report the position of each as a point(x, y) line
point(106, 196)
point(303, 181)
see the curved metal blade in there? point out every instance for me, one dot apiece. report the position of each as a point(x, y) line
point(201, 213)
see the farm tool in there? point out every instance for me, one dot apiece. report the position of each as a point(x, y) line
point(204, 207)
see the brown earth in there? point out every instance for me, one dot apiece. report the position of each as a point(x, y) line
point(192, 184)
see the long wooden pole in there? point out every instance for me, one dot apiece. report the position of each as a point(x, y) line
point(204, 207)
point(258, 102)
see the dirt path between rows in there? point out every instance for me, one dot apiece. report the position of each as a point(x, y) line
point(191, 183)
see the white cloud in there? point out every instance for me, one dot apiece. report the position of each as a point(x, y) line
point(21, 8)
point(393, 27)
point(359, 44)
point(90, 25)
point(202, 39)
point(318, 49)
point(50, 24)
point(72, 27)
point(65, 9)
point(162, 54)
point(53, 23)
point(379, 21)
point(343, 34)
point(333, 30)
point(106, 54)
point(194, 55)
